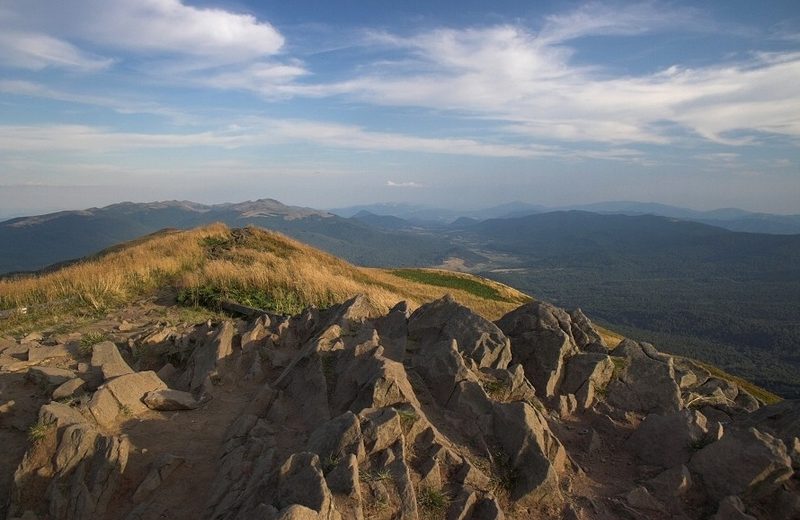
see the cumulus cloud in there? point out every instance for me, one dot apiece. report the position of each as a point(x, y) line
point(165, 39)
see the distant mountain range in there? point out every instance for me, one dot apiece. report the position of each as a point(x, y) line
point(730, 219)
point(727, 297)
point(32, 243)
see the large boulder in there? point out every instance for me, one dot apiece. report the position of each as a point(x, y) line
point(744, 462)
point(107, 363)
point(477, 338)
point(209, 361)
point(585, 374)
point(536, 454)
point(647, 382)
point(300, 481)
point(669, 440)
point(541, 341)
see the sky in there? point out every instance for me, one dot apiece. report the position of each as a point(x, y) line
point(456, 104)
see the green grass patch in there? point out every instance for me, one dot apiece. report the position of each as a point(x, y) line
point(38, 430)
point(209, 296)
point(450, 281)
point(89, 340)
point(433, 499)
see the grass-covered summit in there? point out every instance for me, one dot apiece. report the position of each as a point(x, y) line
point(250, 266)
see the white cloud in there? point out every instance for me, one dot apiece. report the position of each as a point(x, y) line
point(528, 81)
point(85, 139)
point(144, 26)
point(37, 51)
point(410, 184)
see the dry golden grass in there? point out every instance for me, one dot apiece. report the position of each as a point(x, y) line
point(237, 262)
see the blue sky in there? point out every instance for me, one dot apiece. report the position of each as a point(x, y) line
point(454, 104)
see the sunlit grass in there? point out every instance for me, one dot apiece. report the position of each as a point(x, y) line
point(252, 266)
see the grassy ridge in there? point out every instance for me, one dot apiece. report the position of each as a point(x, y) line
point(251, 266)
point(451, 280)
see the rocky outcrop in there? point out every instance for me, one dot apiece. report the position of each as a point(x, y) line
point(413, 414)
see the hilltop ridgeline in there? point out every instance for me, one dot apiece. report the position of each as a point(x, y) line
point(435, 413)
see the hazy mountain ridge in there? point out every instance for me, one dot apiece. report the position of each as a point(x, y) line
point(32, 243)
point(727, 218)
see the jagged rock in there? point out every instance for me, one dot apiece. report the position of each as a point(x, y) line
point(208, 362)
point(669, 440)
point(297, 330)
point(647, 384)
point(442, 367)
point(343, 478)
point(159, 335)
point(477, 338)
point(541, 340)
point(393, 331)
point(671, 483)
point(534, 451)
point(370, 380)
point(512, 384)
point(586, 373)
point(380, 428)
point(781, 420)
point(488, 509)
point(462, 505)
point(160, 470)
point(731, 508)
point(394, 461)
point(300, 481)
point(743, 462)
point(469, 399)
point(471, 476)
point(68, 388)
point(165, 400)
point(84, 469)
point(50, 376)
point(338, 438)
point(584, 334)
point(124, 326)
point(107, 363)
point(566, 405)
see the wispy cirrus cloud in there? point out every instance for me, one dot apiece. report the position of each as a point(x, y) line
point(90, 139)
point(409, 184)
point(531, 83)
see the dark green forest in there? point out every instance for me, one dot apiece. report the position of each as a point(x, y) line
point(730, 299)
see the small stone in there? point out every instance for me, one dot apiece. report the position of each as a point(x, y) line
point(68, 389)
point(124, 326)
point(166, 400)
